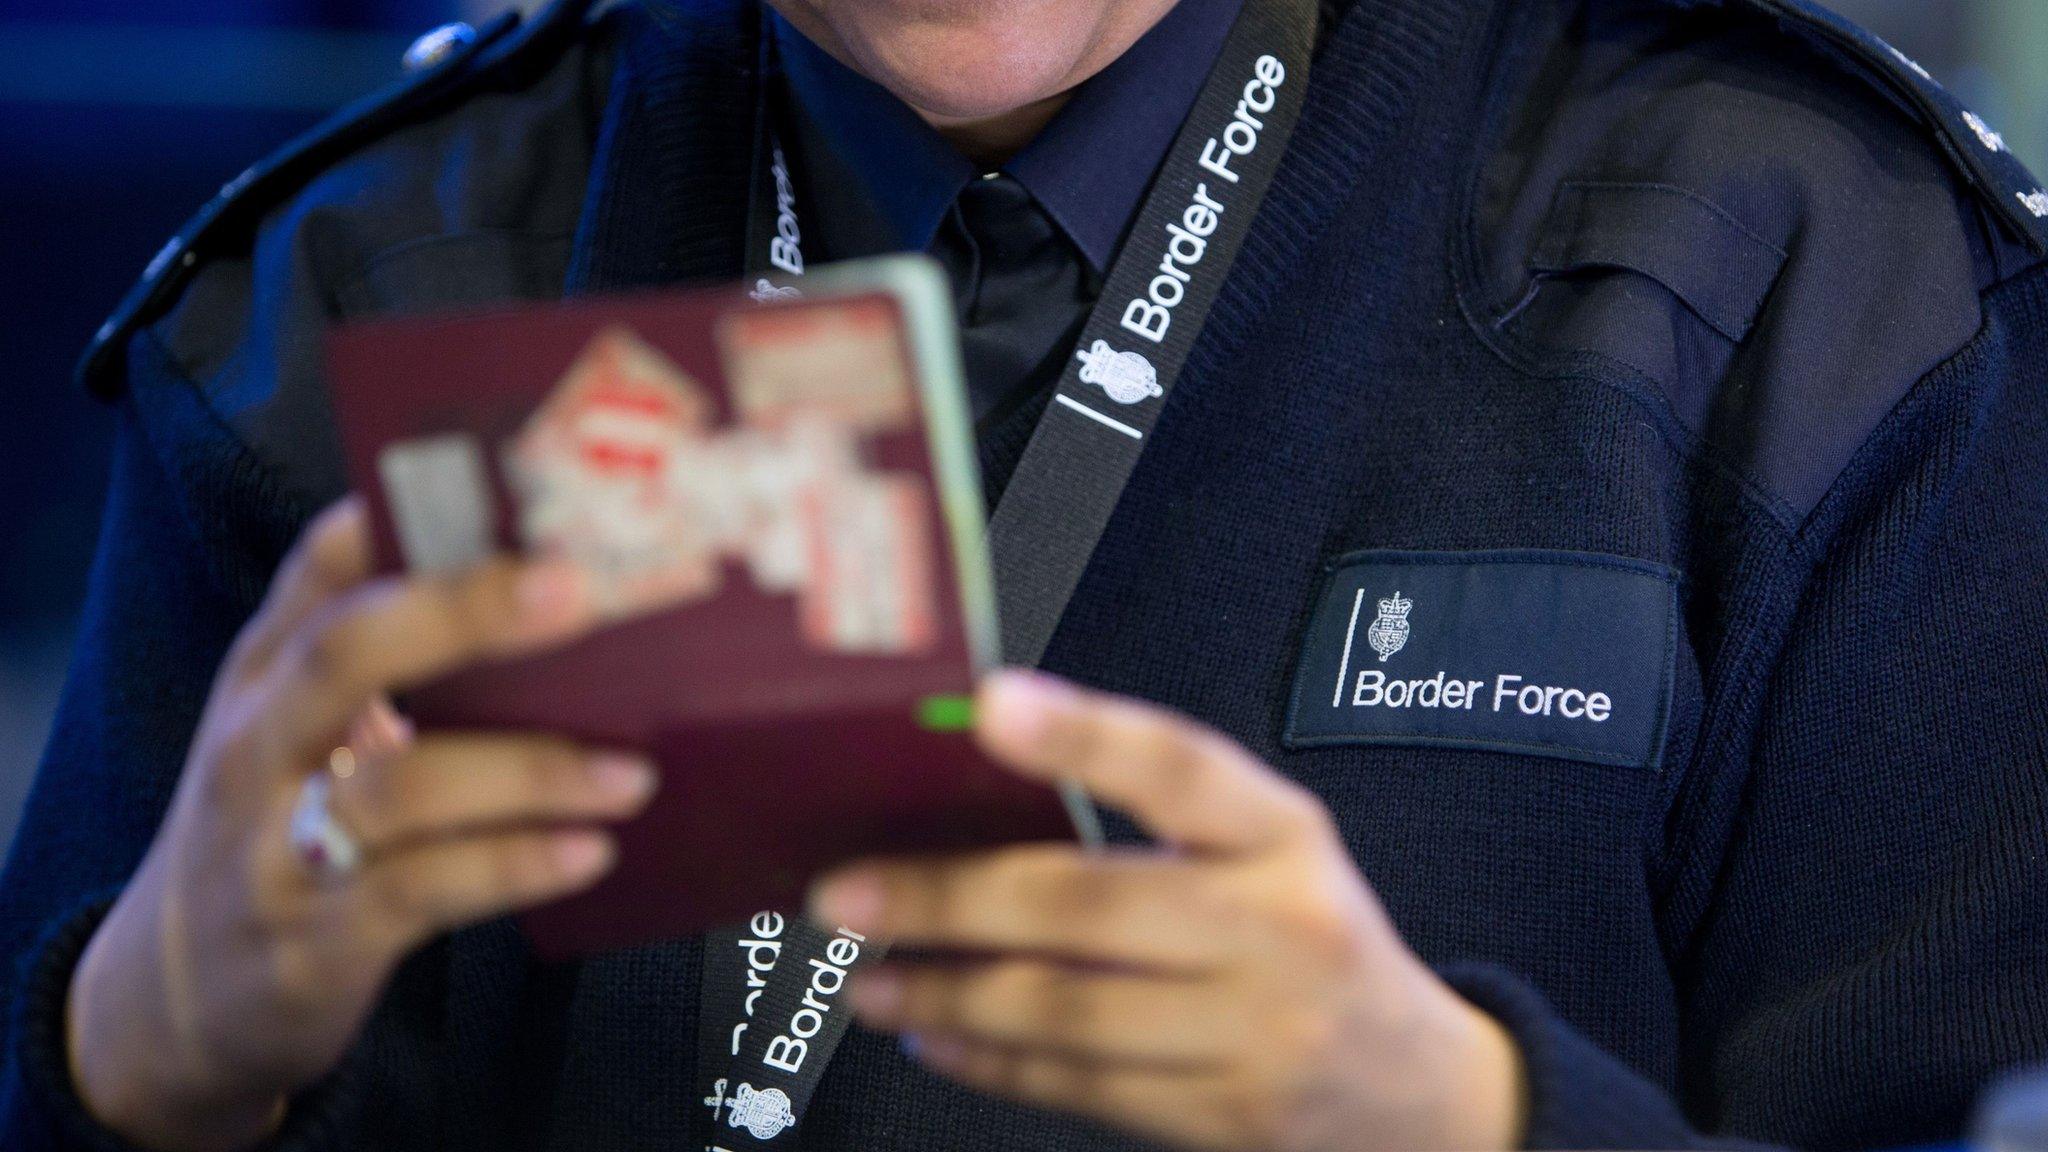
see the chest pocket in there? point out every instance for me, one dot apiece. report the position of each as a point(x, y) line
point(1652, 275)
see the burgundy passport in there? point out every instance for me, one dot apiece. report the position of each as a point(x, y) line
point(777, 505)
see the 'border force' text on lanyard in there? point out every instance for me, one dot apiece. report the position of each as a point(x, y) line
point(770, 1017)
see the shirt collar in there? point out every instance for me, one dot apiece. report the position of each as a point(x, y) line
point(1088, 169)
point(1091, 166)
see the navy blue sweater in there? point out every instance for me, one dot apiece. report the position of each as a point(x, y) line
point(1704, 295)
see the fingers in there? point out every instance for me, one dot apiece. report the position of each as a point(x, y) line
point(331, 557)
point(1183, 782)
point(395, 633)
point(410, 896)
point(1033, 1004)
point(1135, 909)
point(452, 785)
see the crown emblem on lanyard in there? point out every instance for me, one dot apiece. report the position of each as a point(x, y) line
point(766, 291)
point(1389, 632)
point(1126, 376)
point(765, 1113)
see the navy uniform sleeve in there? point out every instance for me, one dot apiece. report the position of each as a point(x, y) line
point(158, 600)
point(1876, 947)
point(1851, 879)
point(226, 450)
point(1872, 950)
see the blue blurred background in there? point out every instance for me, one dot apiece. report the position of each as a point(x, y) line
point(118, 118)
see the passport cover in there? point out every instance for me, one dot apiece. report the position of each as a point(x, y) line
point(777, 504)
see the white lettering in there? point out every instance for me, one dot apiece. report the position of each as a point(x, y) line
point(763, 950)
point(785, 1053)
point(1147, 320)
point(756, 948)
point(785, 251)
point(832, 973)
point(1186, 247)
point(1373, 689)
point(1501, 689)
point(1454, 695)
point(1252, 91)
point(1370, 681)
point(1430, 693)
point(828, 976)
point(1217, 160)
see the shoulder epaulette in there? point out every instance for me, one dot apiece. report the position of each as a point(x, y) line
point(440, 66)
point(2013, 194)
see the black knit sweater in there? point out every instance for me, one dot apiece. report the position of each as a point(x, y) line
point(1660, 282)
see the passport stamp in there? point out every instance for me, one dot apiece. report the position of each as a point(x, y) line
point(628, 469)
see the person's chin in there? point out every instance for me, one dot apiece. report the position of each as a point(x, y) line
point(969, 60)
point(963, 75)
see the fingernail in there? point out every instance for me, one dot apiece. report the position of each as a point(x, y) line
point(850, 901)
point(876, 993)
point(400, 730)
point(583, 855)
point(550, 592)
point(384, 732)
point(1020, 705)
point(618, 774)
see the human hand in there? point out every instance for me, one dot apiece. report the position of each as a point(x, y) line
point(229, 973)
point(1240, 988)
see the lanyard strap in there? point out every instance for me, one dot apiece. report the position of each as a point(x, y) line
point(1153, 306)
point(769, 1016)
point(769, 1020)
point(775, 235)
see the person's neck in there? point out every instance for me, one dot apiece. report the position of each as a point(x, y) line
point(991, 141)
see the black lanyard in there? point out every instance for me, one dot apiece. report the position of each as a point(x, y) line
point(770, 1017)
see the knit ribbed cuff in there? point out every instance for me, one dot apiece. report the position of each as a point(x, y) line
point(42, 1066)
point(1578, 1096)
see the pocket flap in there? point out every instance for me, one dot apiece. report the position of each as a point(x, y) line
point(1718, 267)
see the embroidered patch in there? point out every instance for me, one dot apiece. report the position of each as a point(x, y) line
point(1557, 654)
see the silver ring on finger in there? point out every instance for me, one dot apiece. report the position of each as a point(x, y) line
point(322, 843)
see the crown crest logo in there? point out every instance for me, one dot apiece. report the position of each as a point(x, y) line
point(1389, 632)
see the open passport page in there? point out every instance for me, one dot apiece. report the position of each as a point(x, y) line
point(778, 506)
